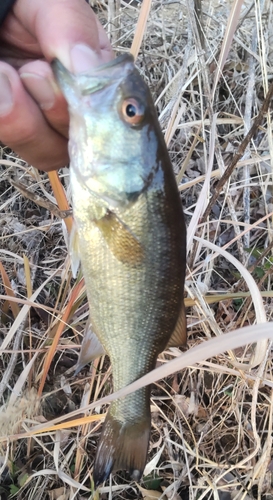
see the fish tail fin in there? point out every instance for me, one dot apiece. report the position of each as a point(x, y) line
point(123, 446)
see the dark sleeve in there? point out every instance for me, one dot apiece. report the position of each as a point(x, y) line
point(5, 6)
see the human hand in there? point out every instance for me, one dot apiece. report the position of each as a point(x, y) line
point(33, 112)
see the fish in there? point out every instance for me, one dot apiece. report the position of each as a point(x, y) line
point(131, 242)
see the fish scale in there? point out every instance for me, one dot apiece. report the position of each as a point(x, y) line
point(131, 241)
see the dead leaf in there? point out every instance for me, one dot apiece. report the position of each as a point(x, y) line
point(150, 494)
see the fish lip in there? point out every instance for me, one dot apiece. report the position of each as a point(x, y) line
point(123, 58)
point(106, 74)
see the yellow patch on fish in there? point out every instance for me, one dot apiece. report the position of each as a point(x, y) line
point(122, 243)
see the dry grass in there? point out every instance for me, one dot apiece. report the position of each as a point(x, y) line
point(212, 421)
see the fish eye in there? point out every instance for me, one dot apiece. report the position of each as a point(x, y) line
point(132, 111)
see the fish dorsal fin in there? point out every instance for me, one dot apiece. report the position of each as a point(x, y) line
point(121, 241)
point(179, 335)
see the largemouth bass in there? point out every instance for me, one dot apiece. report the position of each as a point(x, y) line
point(132, 242)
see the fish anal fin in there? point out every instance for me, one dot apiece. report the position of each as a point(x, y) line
point(179, 335)
point(121, 241)
point(122, 446)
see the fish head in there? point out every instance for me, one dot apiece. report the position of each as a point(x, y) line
point(113, 130)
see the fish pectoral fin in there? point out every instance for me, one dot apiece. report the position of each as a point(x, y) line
point(179, 335)
point(122, 446)
point(74, 251)
point(122, 242)
point(91, 349)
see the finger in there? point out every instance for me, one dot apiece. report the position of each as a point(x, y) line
point(14, 34)
point(38, 79)
point(61, 26)
point(23, 127)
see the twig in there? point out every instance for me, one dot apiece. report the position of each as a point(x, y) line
point(33, 250)
point(241, 150)
point(40, 201)
point(247, 120)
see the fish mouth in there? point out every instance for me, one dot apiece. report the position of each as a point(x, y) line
point(97, 78)
point(118, 61)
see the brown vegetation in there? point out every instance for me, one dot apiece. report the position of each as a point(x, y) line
point(209, 69)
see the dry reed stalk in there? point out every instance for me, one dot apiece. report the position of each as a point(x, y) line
point(212, 421)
